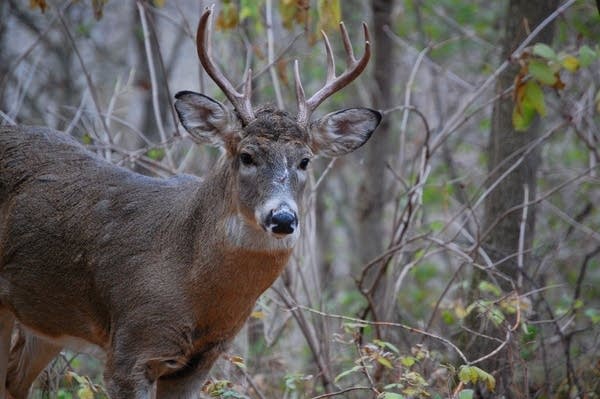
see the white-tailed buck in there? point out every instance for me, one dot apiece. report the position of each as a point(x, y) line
point(158, 274)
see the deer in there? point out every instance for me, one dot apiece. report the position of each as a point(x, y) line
point(158, 275)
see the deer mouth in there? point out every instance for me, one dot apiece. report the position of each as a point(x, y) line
point(279, 221)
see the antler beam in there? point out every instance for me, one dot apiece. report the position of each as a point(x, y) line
point(241, 101)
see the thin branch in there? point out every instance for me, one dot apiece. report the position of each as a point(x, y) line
point(522, 226)
point(88, 78)
point(385, 324)
point(271, 54)
point(154, 84)
point(342, 392)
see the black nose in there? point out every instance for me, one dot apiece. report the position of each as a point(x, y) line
point(283, 222)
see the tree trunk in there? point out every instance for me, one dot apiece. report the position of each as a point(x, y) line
point(502, 244)
point(372, 192)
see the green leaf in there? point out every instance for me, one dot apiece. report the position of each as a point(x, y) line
point(466, 394)
point(472, 374)
point(534, 96)
point(593, 314)
point(522, 119)
point(408, 361)
point(542, 72)
point(385, 362)
point(544, 51)
point(496, 316)
point(486, 286)
point(347, 372)
point(156, 154)
point(586, 56)
point(390, 395)
point(386, 345)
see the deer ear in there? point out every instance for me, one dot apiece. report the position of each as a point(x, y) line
point(206, 119)
point(342, 132)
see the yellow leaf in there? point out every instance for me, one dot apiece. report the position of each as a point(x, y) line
point(238, 361)
point(460, 311)
point(330, 14)
point(85, 393)
point(570, 63)
point(258, 314)
point(41, 4)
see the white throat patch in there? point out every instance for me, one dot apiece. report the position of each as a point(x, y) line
point(241, 235)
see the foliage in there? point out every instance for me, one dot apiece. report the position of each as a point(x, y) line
point(541, 67)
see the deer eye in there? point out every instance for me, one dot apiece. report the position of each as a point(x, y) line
point(246, 159)
point(303, 164)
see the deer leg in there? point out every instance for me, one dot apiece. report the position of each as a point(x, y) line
point(126, 377)
point(28, 357)
point(6, 325)
point(187, 382)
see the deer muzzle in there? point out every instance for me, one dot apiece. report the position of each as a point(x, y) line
point(281, 220)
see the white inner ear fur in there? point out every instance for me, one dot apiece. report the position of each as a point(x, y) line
point(205, 119)
point(344, 131)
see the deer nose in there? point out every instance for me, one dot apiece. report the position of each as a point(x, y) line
point(282, 221)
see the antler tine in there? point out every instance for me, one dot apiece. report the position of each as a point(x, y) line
point(333, 83)
point(303, 113)
point(330, 58)
point(241, 101)
point(347, 45)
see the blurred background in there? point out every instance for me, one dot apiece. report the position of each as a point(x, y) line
point(457, 254)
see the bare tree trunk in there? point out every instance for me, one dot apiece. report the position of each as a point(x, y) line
point(372, 192)
point(503, 243)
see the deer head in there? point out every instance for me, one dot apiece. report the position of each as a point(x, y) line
point(267, 150)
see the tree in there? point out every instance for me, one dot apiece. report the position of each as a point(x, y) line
point(513, 161)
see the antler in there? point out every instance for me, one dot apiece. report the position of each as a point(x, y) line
point(354, 68)
point(240, 101)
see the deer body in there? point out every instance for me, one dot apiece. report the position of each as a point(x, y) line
point(100, 228)
point(160, 274)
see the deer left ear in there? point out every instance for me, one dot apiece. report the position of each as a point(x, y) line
point(342, 132)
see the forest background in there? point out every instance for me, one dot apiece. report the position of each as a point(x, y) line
point(457, 254)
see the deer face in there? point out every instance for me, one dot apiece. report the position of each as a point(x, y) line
point(269, 157)
point(268, 150)
point(271, 161)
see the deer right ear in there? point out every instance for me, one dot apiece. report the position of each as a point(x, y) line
point(206, 119)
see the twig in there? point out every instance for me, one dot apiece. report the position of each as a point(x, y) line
point(322, 176)
point(299, 317)
point(522, 226)
point(77, 115)
point(165, 73)
point(252, 384)
point(343, 391)
point(271, 54)
point(365, 369)
point(89, 81)
point(407, 94)
point(385, 324)
point(7, 118)
point(154, 85)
